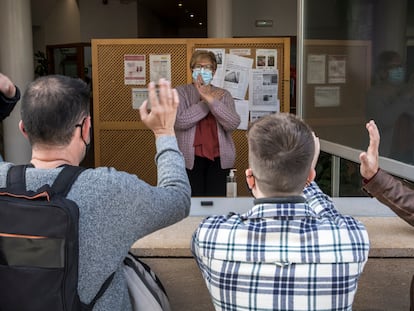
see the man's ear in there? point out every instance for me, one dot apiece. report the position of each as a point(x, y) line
point(86, 130)
point(21, 128)
point(311, 176)
point(250, 178)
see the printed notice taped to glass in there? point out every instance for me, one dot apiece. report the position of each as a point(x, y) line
point(327, 96)
point(316, 69)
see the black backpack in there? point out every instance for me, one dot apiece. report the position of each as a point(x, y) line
point(39, 246)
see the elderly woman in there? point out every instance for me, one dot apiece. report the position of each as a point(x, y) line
point(206, 119)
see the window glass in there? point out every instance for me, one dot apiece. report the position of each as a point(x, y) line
point(357, 63)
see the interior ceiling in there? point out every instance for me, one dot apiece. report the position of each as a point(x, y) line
point(164, 9)
point(170, 10)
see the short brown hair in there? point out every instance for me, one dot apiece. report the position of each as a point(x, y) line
point(52, 106)
point(281, 149)
point(203, 54)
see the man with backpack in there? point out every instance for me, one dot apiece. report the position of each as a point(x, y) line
point(115, 208)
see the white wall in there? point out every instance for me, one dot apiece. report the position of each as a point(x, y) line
point(282, 12)
point(55, 22)
point(62, 22)
point(117, 19)
point(71, 21)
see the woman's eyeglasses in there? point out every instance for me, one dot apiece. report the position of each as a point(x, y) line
point(199, 66)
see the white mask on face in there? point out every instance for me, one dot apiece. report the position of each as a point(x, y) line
point(206, 75)
point(396, 75)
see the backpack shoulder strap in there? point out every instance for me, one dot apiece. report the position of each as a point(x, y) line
point(66, 178)
point(16, 178)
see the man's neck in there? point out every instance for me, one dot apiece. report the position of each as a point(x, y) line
point(50, 164)
point(51, 158)
point(281, 199)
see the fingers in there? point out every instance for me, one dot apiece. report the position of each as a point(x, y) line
point(163, 90)
point(143, 111)
point(152, 94)
point(363, 158)
point(7, 87)
point(175, 98)
point(369, 166)
point(198, 84)
point(152, 98)
point(164, 96)
point(369, 159)
point(200, 80)
point(166, 93)
point(164, 104)
point(373, 130)
point(374, 137)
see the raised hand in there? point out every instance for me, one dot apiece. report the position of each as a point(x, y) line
point(161, 118)
point(369, 159)
point(7, 87)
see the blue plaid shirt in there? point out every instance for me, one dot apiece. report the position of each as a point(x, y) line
point(296, 253)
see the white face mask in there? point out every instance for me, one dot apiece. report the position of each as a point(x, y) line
point(396, 75)
point(206, 75)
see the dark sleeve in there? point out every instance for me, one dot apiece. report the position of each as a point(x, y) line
point(394, 193)
point(7, 104)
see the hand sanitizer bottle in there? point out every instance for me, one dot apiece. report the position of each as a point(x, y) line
point(231, 184)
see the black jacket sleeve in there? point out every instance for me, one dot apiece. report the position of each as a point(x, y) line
point(7, 104)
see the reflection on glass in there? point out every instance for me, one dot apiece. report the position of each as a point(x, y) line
point(389, 104)
point(358, 64)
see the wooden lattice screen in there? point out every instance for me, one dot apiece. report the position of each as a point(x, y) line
point(121, 140)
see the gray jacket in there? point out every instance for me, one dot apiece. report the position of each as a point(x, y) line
point(116, 209)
